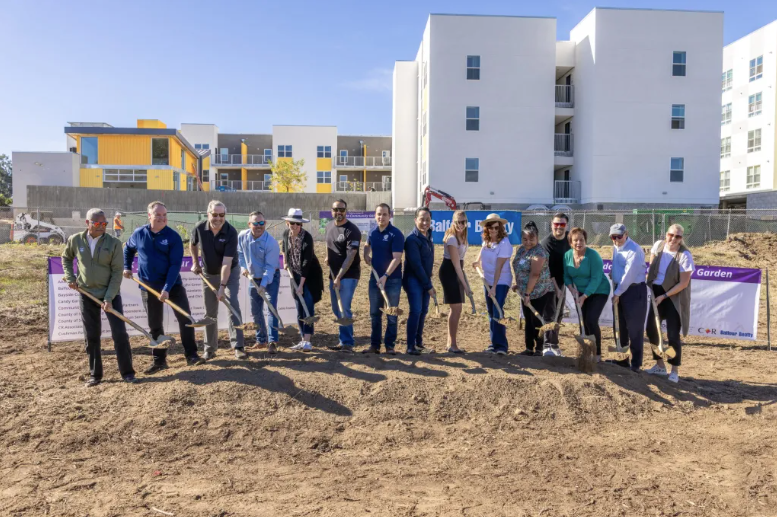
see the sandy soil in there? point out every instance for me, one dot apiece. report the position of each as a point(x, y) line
point(328, 434)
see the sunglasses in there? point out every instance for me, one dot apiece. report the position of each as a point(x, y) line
point(673, 236)
point(493, 226)
point(338, 209)
point(215, 214)
point(295, 224)
point(257, 223)
point(559, 225)
point(99, 225)
point(616, 237)
point(463, 221)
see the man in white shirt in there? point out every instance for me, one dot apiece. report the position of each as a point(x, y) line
point(629, 291)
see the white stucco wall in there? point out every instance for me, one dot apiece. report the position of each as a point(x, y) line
point(304, 141)
point(43, 168)
point(404, 127)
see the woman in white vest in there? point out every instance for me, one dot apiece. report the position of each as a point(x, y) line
point(669, 278)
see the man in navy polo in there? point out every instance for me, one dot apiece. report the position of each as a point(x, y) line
point(383, 252)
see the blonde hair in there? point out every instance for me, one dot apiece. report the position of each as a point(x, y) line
point(214, 203)
point(676, 227)
point(451, 231)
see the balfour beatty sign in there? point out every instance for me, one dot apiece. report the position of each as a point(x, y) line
point(442, 220)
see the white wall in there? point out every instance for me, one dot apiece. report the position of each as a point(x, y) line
point(737, 56)
point(204, 134)
point(43, 168)
point(404, 127)
point(304, 141)
point(624, 93)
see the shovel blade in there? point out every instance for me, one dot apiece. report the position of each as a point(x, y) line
point(204, 322)
point(162, 341)
point(668, 353)
point(344, 321)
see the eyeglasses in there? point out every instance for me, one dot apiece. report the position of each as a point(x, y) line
point(463, 221)
point(216, 214)
point(257, 223)
point(295, 224)
point(492, 226)
point(338, 209)
point(559, 225)
point(673, 236)
point(99, 225)
point(616, 237)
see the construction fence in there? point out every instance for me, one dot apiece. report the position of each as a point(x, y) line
point(52, 225)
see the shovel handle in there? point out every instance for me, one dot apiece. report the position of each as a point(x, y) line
point(266, 300)
point(578, 309)
point(382, 291)
point(469, 291)
point(119, 315)
point(168, 302)
point(223, 300)
point(615, 322)
point(301, 299)
point(536, 314)
point(658, 322)
point(337, 294)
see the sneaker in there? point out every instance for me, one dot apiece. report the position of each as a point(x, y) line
point(208, 355)
point(673, 377)
point(346, 349)
point(501, 352)
point(336, 347)
point(306, 346)
point(527, 352)
point(298, 346)
point(272, 348)
point(391, 351)
point(195, 360)
point(546, 351)
point(420, 347)
point(156, 367)
point(413, 352)
point(490, 350)
point(372, 350)
point(656, 370)
point(92, 382)
point(129, 379)
point(240, 353)
point(556, 350)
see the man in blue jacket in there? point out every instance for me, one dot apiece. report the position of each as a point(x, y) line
point(160, 252)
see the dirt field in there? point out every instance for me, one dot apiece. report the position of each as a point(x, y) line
point(332, 435)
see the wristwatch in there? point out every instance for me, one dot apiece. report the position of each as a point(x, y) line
point(223, 285)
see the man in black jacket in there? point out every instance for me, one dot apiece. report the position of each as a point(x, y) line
point(556, 245)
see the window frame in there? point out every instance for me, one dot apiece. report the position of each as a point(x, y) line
point(468, 170)
point(677, 66)
point(750, 179)
point(754, 104)
point(725, 176)
point(323, 177)
point(155, 161)
point(756, 68)
point(674, 170)
point(96, 150)
point(753, 140)
point(725, 147)
point(473, 71)
point(727, 80)
point(678, 120)
point(323, 151)
point(725, 114)
point(472, 123)
point(285, 151)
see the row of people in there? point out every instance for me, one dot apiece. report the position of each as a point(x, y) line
point(542, 269)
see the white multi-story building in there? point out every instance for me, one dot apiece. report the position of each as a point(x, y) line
point(493, 109)
point(747, 135)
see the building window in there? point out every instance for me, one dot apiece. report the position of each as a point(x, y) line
point(726, 79)
point(284, 151)
point(725, 147)
point(725, 181)
point(123, 178)
point(473, 68)
point(473, 118)
point(206, 175)
point(202, 147)
point(756, 68)
point(678, 64)
point(753, 105)
point(183, 159)
point(160, 151)
point(324, 151)
point(678, 116)
point(267, 155)
point(725, 114)
point(754, 141)
point(753, 176)
point(676, 169)
point(89, 150)
point(324, 177)
point(471, 169)
point(267, 182)
point(176, 181)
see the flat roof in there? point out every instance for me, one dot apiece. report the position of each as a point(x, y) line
point(650, 9)
point(130, 131)
point(493, 16)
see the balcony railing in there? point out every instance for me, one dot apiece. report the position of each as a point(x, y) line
point(248, 160)
point(229, 185)
point(566, 192)
point(565, 96)
point(360, 186)
point(361, 162)
point(562, 144)
point(258, 185)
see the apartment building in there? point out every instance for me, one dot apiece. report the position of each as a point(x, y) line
point(333, 163)
point(493, 109)
point(747, 135)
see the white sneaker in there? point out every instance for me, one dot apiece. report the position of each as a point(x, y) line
point(673, 377)
point(298, 346)
point(547, 352)
point(556, 350)
point(656, 370)
point(306, 346)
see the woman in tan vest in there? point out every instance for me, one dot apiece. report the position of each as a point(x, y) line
point(669, 277)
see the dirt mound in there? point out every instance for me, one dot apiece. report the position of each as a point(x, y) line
point(743, 250)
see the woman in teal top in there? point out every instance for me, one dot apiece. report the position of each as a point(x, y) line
point(584, 275)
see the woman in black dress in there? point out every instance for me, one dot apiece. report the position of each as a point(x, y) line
point(454, 285)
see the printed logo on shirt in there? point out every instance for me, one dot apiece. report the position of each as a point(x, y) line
point(163, 242)
point(222, 240)
point(81, 249)
point(340, 238)
point(386, 238)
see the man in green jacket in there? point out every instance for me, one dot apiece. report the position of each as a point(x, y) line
point(100, 264)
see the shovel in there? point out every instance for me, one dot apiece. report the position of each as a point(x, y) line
point(291, 329)
point(162, 341)
point(586, 344)
point(663, 350)
point(469, 293)
point(241, 325)
point(388, 309)
point(501, 319)
point(437, 314)
point(308, 319)
point(545, 327)
point(204, 322)
point(343, 321)
point(618, 349)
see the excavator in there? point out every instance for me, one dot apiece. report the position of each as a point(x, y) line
point(449, 201)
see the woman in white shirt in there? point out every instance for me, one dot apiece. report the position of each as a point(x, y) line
point(669, 277)
point(454, 286)
point(494, 259)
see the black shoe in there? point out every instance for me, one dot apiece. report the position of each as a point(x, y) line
point(336, 348)
point(413, 352)
point(130, 379)
point(194, 360)
point(93, 381)
point(346, 349)
point(156, 367)
point(391, 351)
point(538, 353)
point(371, 350)
point(527, 352)
point(208, 355)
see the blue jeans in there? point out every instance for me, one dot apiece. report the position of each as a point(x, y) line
point(498, 331)
point(304, 328)
point(257, 309)
point(347, 288)
point(393, 290)
point(418, 299)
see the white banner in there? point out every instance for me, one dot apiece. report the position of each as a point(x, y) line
point(65, 315)
point(724, 303)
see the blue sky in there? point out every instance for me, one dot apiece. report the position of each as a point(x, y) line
point(243, 65)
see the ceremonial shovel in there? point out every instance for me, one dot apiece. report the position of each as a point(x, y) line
point(241, 325)
point(288, 330)
point(388, 309)
point(162, 341)
point(308, 319)
point(501, 320)
point(618, 349)
point(663, 350)
point(586, 344)
point(341, 320)
point(204, 322)
point(469, 293)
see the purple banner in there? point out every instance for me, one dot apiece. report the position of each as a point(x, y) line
point(714, 273)
point(55, 265)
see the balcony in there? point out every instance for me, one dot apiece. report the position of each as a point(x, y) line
point(566, 192)
point(229, 185)
point(562, 144)
point(248, 161)
point(361, 162)
point(565, 96)
point(360, 186)
point(256, 186)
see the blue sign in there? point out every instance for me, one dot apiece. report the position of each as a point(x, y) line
point(441, 221)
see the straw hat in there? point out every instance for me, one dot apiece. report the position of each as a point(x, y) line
point(493, 218)
point(295, 216)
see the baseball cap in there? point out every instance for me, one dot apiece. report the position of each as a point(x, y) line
point(617, 229)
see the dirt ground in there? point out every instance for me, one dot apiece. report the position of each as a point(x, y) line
point(329, 434)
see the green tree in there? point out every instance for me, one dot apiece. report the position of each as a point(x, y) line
point(6, 180)
point(287, 176)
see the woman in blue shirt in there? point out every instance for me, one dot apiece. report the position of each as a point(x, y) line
point(417, 278)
